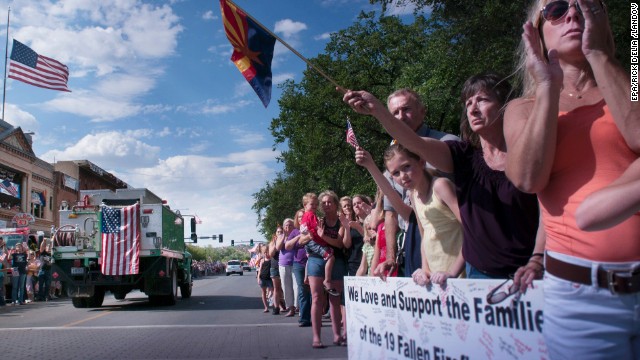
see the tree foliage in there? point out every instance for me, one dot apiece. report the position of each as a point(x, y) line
point(380, 54)
point(223, 254)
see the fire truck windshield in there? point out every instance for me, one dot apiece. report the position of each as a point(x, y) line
point(12, 239)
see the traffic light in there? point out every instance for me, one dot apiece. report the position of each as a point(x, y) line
point(251, 242)
point(194, 236)
point(220, 237)
point(231, 242)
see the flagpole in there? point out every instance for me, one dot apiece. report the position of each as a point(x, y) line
point(6, 57)
point(290, 48)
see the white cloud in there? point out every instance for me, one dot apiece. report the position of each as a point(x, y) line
point(218, 189)
point(209, 15)
point(139, 133)
point(198, 147)
point(323, 36)
point(18, 117)
point(289, 28)
point(111, 149)
point(246, 138)
point(164, 132)
point(124, 86)
point(280, 78)
point(95, 107)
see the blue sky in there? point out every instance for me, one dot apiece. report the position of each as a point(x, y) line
point(156, 101)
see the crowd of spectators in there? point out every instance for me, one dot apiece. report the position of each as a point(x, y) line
point(489, 213)
point(27, 272)
point(201, 268)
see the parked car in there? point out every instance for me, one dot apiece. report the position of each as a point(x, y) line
point(234, 267)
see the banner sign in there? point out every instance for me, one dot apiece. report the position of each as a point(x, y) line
point(23, 219)
point(398, 319)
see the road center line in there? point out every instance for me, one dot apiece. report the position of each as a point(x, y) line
point(85, 320)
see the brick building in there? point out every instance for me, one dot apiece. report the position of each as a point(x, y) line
point(33, 189)
point(26, 182)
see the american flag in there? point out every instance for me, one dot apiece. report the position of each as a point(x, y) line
point(9, 187)
point(27, 66)
point(351, 136)
point(120, 240)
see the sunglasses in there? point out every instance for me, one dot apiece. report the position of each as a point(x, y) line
point(497, 295)
point(556, 10)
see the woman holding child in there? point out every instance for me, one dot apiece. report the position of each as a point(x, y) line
point(334, 230)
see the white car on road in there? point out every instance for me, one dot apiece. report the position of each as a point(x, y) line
point(234, 267)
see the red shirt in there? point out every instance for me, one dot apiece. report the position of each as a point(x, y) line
point(310, 220)
point(381, 243)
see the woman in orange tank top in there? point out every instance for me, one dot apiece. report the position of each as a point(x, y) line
point(573, 132)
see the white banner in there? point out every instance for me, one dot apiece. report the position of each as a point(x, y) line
point(398, 319)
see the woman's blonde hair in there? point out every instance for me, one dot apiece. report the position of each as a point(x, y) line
point(296, 222)
point(348, 198)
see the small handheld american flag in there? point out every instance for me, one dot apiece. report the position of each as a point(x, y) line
point(351, 136)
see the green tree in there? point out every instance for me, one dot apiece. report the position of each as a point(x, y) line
point(483, 18)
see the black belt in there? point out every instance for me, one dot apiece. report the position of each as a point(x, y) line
point(617, 281)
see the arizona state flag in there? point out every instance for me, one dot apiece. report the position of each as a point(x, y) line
point(252, 49)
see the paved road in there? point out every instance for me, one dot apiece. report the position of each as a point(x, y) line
point(222, 320)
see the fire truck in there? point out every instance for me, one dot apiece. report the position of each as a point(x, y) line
point(12, 236)
point(87, 258)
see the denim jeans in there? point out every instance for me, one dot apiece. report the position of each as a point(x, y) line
point(44, 283)
point(3, 301)
point(17, 292)
point(304, 294)
point(473, 273)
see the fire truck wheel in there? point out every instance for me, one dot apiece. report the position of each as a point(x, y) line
point(98, 297)
point(79, 302)
point(185, 290)
point(172, 298)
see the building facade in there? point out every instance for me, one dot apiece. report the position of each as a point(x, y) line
point(32, 191)
point(75, 175)
point(26, 183)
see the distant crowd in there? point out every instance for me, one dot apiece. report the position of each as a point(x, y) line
point(200, 268)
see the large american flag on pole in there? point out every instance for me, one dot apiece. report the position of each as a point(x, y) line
point(120, 240)
point(27, 66)
point(351, 136)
